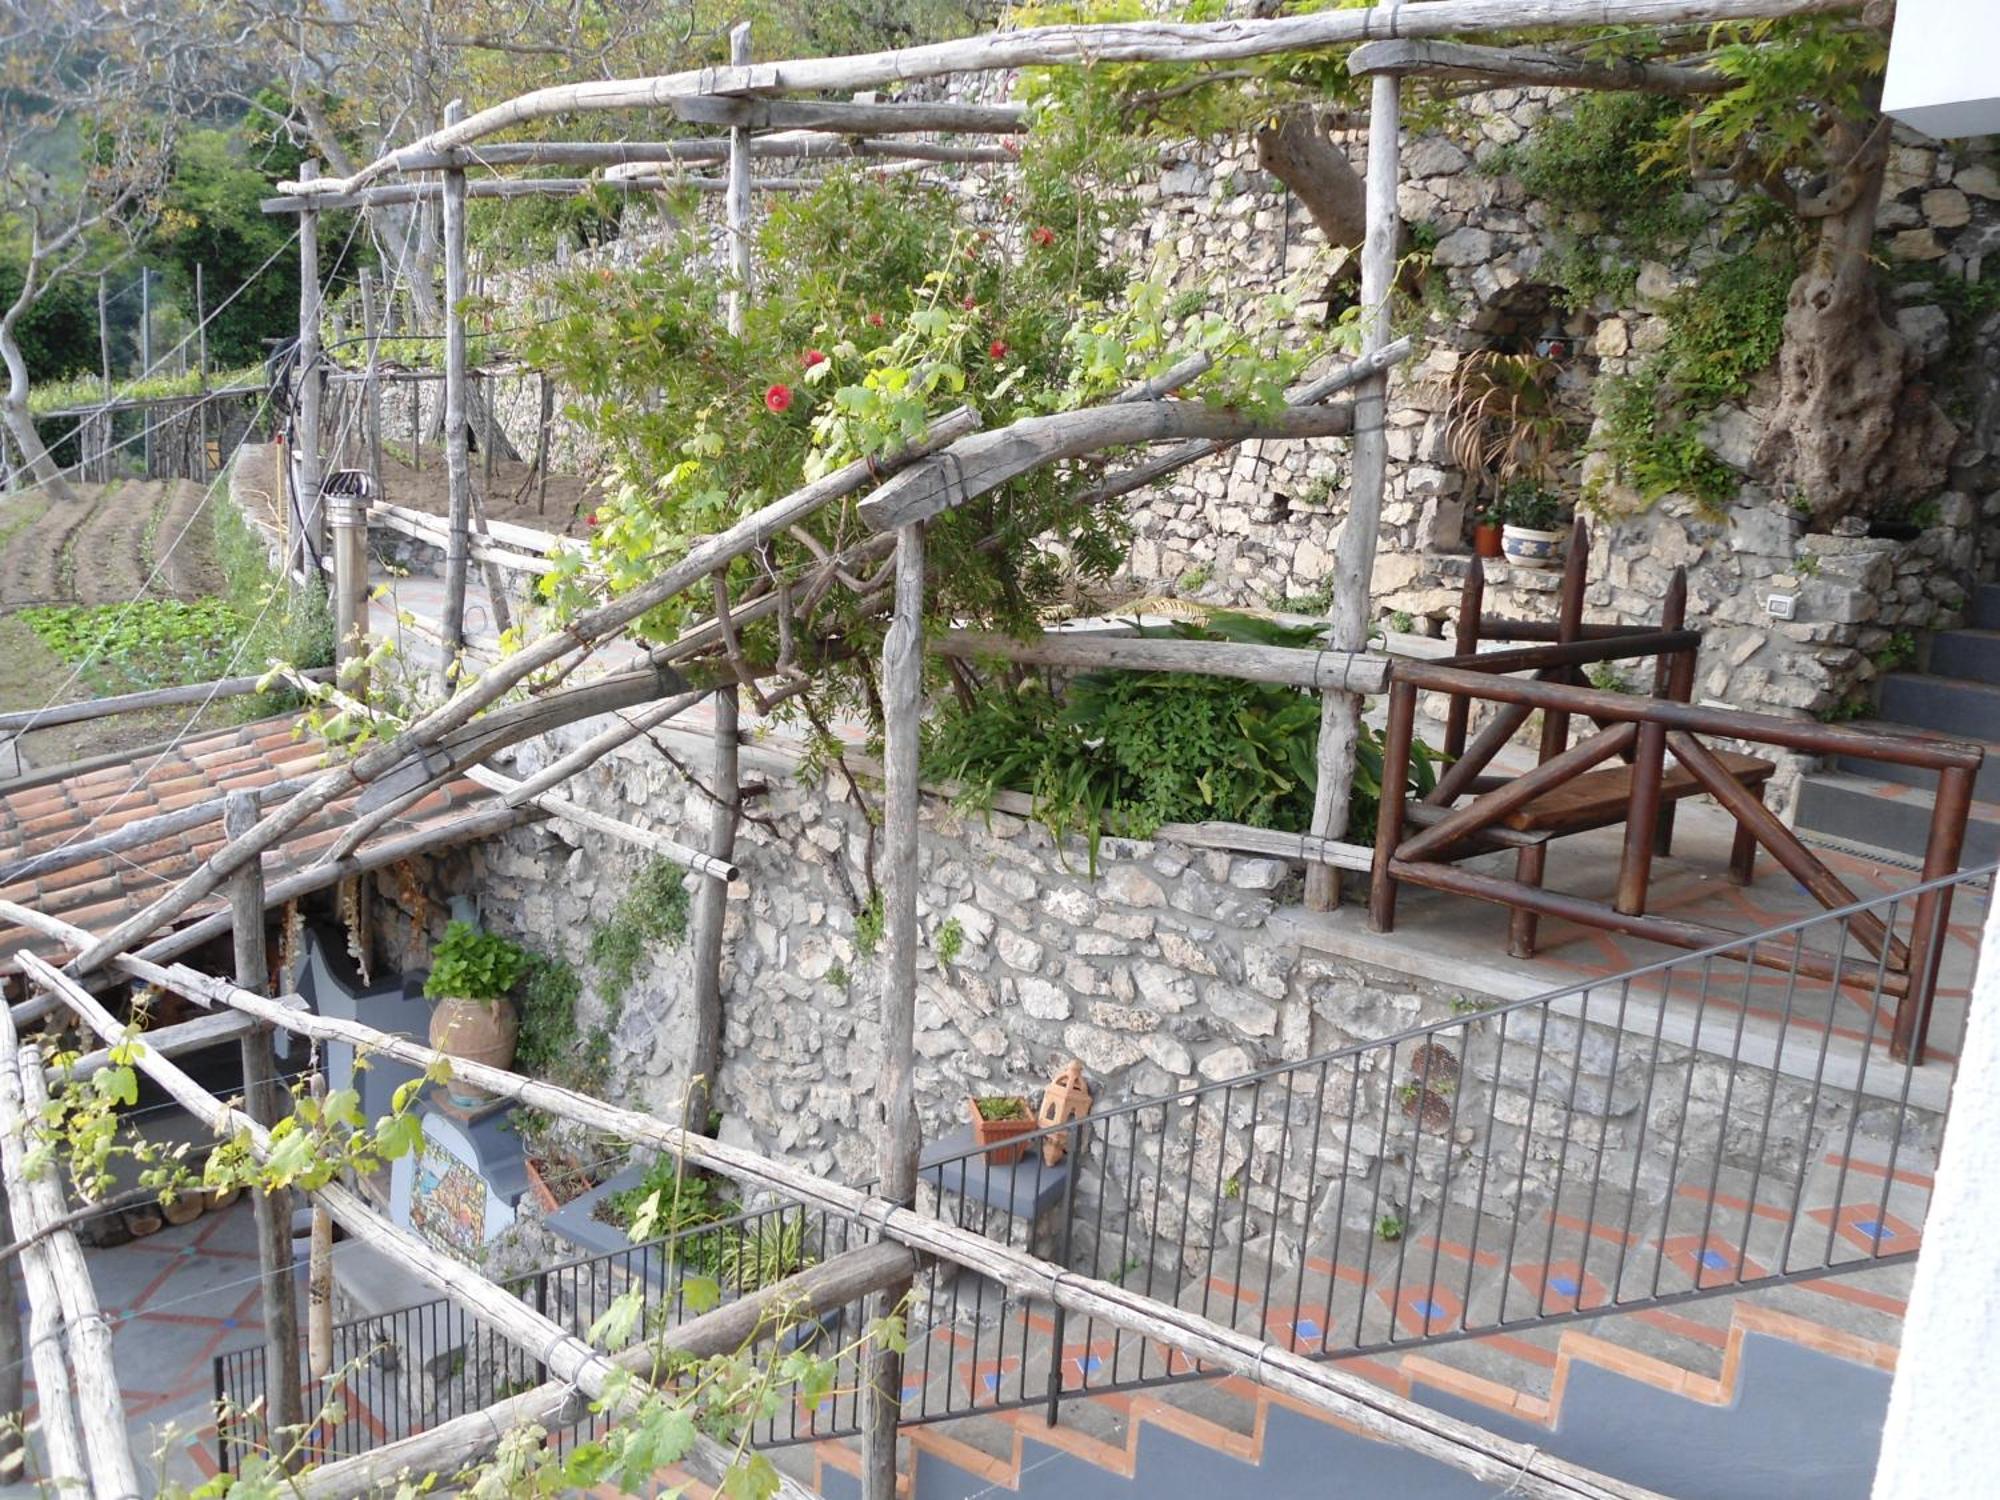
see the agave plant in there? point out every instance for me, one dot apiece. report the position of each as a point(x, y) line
point(1502, 417)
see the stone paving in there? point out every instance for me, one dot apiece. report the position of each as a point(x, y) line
point(175, 1299)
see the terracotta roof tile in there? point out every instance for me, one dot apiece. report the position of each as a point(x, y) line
point(100, 891)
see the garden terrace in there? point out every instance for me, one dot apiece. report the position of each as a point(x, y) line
point(916, 489)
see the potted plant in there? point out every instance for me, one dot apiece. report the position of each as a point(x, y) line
point(472, 1016)
point(998, 1122)
point(1486, 532)
point(1532, 531)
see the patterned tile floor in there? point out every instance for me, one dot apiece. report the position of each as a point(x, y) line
point(175, 1299)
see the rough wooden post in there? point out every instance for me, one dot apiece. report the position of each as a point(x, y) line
point(736, 203)
point(372, 329)
point(201, 373)
point(304, 529)
point(104, 333)
point(458, 472)
point(711, 909)
point(12, 1356)
point(902, 714)
point(712, 896)
point(1354, 553)
point(261, 1099)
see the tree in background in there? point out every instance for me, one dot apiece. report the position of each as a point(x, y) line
point(89, 96)
point(1796, 126)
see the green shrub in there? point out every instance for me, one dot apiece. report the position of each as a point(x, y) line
point(1123, 752)
point(283, 622)
point(469, 964)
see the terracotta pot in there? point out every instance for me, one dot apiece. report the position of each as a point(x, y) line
point(1486, 540)
point(1000, 1139)
point(185, 1209)
point(1531, 548)
point(478, 1031)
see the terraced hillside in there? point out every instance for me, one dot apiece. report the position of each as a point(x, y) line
point(132, 539)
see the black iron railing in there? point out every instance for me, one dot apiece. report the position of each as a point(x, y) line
point(1718, 1121)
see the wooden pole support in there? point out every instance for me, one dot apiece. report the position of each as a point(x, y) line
point(1354, 553)
point(263, 1100)
point(902, 717)
point(457, 462)
point(303, 515)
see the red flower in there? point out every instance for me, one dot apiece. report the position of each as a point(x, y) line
point(1043, 235)
point(968, 302)
point(874, 320)
point(778, 398)
point(814, 357)
point(591, 519)
point(997, 350)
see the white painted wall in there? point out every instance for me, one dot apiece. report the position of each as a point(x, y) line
point(1943, 78)
point(1942, 1439)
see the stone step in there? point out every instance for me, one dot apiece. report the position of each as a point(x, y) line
point(1973, 655)
point(1951, 705)
point(1986, 606)
point(1985, 785)
point(1892, 816)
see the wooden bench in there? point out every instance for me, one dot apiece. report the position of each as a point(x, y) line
point(1598, 799)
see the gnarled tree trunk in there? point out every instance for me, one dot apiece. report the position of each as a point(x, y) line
point(20, 422)
point(1855, 427)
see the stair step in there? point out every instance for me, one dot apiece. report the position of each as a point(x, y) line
point(1986, 606)
point(1888, 815)
point(1985, 785)
point(1973, 655)
point(1951, 705)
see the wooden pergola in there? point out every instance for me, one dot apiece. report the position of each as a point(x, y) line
point(952, 464)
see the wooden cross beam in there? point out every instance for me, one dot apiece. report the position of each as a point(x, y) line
point(1510, 66)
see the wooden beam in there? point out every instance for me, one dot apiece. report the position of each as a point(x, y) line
point(556, 187)
point(848, 118)
point(625, 729)
point(754, 1318)
point(1517, 793)
point(137, 834)
point(22, 721)
point(581, 633)
point(1292, 666)
point(979, 464)
point(1507, 67)
point(1153, 470)
point(566, 811)
point(1060, 45)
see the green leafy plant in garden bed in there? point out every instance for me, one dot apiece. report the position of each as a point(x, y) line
point(1120, 753)
point(144, 643)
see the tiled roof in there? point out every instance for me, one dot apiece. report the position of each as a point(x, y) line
point(101, 891)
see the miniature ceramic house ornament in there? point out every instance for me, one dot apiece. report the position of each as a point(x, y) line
point(1941, 78)
point(1066, 1098)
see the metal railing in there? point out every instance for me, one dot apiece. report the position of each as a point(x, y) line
point(1698, 1126)
point(401, 1372)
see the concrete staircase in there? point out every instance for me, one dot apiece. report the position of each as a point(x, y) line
point(1888, 807)
point(1771, 1393)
